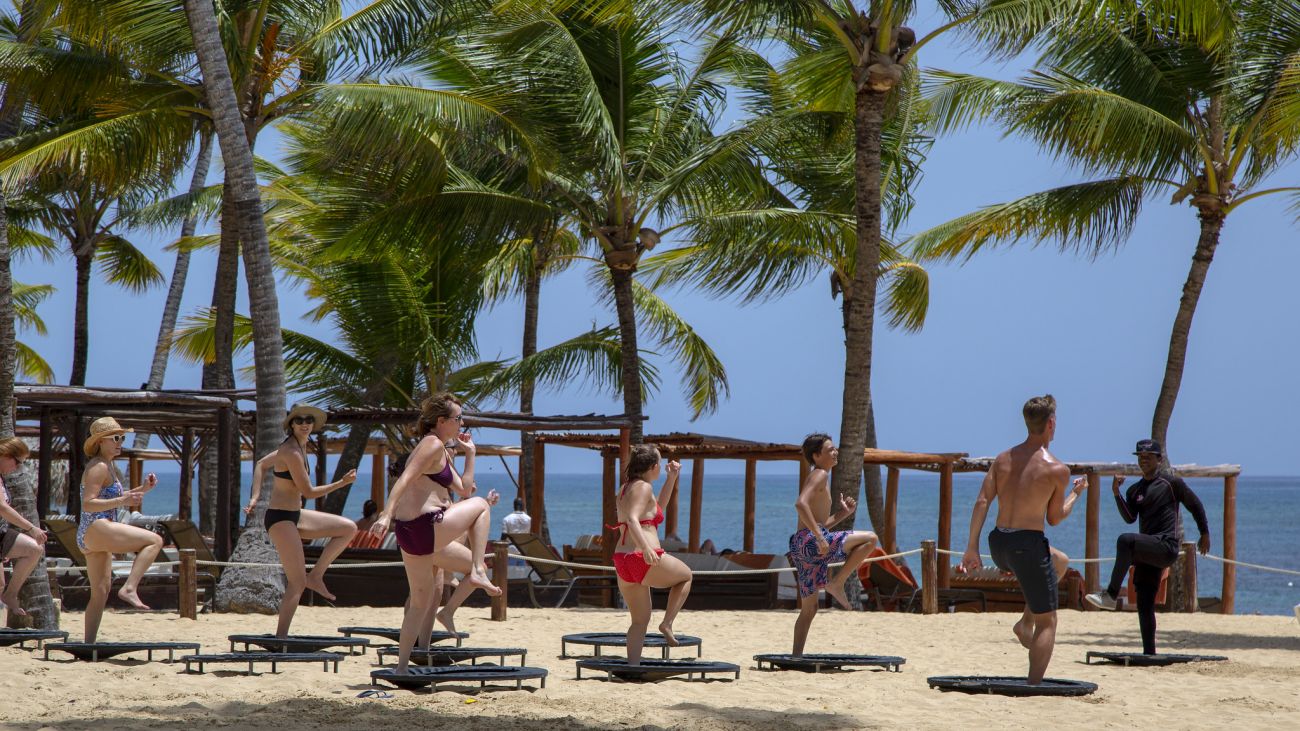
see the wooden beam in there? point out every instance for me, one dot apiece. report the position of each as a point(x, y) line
point(187, 604)
point(1190, 599)
point(1229, 542)
point(890, 537)
point(697, 504)
point(500, 577)
point(945, 523)
point(43, 470)
point(378, 477)
point(185, 502)
point(1092, 536)
point(803, 475)
point(537, 495)
point(751, 502)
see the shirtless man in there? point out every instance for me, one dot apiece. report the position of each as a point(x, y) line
point(1029, 483)
point(813, 548)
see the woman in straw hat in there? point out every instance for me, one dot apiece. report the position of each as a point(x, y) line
point(426, 521)
point(20, 540)
point(98, 533)
point(288, 523)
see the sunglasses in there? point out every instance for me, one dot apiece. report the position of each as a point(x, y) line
point(458, 419)
point(303, 420)
point(118, 438)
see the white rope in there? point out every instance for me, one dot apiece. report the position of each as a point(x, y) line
point(1252, 565)
point(241, 564)
point(1103, 559)
point(738, 572)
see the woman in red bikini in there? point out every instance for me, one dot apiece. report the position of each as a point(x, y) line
point(638, 559)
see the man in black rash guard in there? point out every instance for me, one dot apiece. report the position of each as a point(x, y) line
point(1154, 503)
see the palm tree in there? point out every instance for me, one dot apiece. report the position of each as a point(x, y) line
point(801, 123)
point(1198, 106)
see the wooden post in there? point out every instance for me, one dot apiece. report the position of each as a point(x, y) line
point(224, 498)
point(188, 586)
point(378, 477)
point(697, 504)
point(135, 476)
point(751, 501)
point(624, 451)
point(1229, 541)
point(945, 521)
point(1092, 536)
point(890, 537)
point(929, 578)
point(500, 577)
point(321, 473)
point(43, 470)
point(670, 511)
point(803, 475)
point(537, 492)
point(609, 516)
point(76, 464)
point(185, 503)
point(1189, 577)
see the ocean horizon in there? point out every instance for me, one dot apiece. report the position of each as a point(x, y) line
point(1265, 528)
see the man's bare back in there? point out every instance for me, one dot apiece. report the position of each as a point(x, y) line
point(1028, 481)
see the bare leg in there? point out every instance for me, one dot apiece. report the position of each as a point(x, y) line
point(1024, 629)
point(313, 524)
point(426, 623)
point(455, 558)
point(637, 599)
point(857, 546)
point(470, 516)
point(807, 610)
point(1040, 651)
point(144, 558)
point(1060, 563)
point(111, 537)
point(26, 553)
point(670, 573)
point(99, 566)
point(284, 536)
point(419, 576)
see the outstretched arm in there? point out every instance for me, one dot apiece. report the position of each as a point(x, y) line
point(302, 481)
point(979, 513)
point(670, 483)
point(1193, 503)
point(259, 469)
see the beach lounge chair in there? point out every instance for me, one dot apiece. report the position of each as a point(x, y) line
point(890, 586)
point(547, 576)
point(185, 534)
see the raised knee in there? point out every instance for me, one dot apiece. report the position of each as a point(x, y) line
point(155, 540)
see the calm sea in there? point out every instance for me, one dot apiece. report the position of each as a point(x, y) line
point(1266, 510)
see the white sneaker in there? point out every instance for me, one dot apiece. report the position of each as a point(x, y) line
point(1101, 600)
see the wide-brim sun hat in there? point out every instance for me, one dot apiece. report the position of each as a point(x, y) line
point(104, 426)
point(305, 410)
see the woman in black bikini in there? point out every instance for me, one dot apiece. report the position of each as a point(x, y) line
point(288, 523)
point(426, 522)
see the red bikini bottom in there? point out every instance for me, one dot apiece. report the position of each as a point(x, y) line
point(631, 567)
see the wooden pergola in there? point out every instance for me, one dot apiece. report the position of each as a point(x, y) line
point(1094, 471)
point(699, 447)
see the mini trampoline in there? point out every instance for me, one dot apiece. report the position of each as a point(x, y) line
point(451, 655)
point(1004, 685)
point(275, 658)
point(20, 637)
point(619, 639)
point(420, 677)
point(395, 634)
point(1138, 659)
point(815, 663)
point(96, 651)
point(618, 667)
point(298, 643)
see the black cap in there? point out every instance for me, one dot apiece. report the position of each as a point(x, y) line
point(1149, 446)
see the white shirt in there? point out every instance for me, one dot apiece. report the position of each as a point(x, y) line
point(517, 522)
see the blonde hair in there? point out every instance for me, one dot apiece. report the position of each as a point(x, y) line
point(435, 407)
point(14, 448)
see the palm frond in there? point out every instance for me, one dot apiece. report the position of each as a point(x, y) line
point(127, 266)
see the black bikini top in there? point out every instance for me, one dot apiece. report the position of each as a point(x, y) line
point(286, 474)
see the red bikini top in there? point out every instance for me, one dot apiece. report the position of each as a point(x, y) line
point(655, 521)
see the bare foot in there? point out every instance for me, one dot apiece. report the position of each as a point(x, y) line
point(836, 592)
point(318, 585)
point(11, 602)
point(447, 620)
point(666, 630)
point(1023, 633)
point(480, 580)
point(129, 596)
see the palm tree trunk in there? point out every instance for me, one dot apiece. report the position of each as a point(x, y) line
point(35, 596)
point(220, 373)
point(1211, 226)
point(81, 314)
point(353, 450)
point(252, 590)
point(527, 442)
point(176, 289)
point(8, 337)
point(860, 299)
point(626, 309)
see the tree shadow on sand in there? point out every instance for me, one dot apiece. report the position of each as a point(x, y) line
point(741, 717)
point(1180, 641)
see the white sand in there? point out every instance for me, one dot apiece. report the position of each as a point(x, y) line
point(1259, 688)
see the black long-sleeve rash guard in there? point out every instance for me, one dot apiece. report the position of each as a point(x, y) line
point(1154, 504)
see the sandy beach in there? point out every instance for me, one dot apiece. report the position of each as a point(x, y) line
point(1258, 688)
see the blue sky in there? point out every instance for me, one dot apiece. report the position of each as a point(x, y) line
point(1005, 326)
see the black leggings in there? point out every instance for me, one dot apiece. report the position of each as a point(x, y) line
point(1149, 556)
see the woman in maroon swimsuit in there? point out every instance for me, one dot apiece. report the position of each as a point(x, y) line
point(425, 521)
point(640, 562)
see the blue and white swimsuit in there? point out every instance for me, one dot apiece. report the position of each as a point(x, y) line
point(108, 493)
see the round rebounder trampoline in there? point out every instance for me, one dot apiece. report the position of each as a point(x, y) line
point(1005, 685)
point(599, 640)
point(1137, 659)
point(451, 655)
point(815, 663)
point(652, 670)
point(20, 637)
point(274, 658)
point(96, 651)
point(420, 677)
point(395, 634)
point(298, 643)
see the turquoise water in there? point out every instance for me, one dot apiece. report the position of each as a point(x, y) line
point(1266, 516)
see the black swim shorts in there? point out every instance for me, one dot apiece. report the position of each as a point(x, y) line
point(1026, 554)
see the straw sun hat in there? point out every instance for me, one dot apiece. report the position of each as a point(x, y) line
point(104, 426)
point(305, 410)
